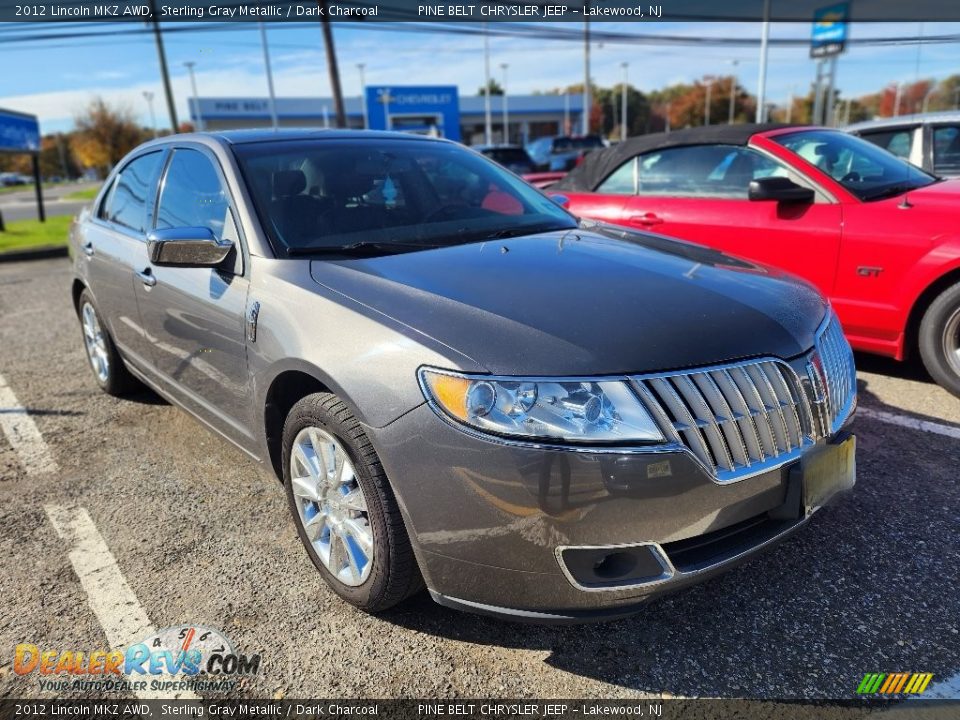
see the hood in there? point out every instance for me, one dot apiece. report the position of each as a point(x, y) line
point(586, 302)
point(945, 192)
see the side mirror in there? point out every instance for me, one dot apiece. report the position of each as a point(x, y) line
point(561, 200)
point(780, 189)
point(187, 247)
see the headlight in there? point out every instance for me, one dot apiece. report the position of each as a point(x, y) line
point(580, 411)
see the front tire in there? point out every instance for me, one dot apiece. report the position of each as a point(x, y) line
point(343, 506)
point(940, 339)
point(108, 367)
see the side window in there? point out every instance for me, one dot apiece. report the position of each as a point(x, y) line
point(193, 195)
point(898, 142)
point(946, 150)
point(719, 171)
point(622, 181)
point(126, 202)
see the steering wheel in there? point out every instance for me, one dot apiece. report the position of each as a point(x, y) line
point(852, 176)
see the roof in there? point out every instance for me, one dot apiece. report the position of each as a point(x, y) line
point(598, 164)
point(257, 135)
point(900, 120)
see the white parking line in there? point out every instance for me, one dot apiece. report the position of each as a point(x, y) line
point(21, 431)
point(909, 422)
point(109, 595)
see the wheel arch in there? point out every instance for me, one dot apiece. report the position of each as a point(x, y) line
point(76, 290)
point(919, 308)
point(287, 387)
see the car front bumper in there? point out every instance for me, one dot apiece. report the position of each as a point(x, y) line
point(490, 520)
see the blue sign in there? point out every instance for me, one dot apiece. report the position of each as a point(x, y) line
point(19, 132)
point(427, 110)
point(829, 30)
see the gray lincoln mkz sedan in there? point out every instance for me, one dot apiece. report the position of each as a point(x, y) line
point(460, 384)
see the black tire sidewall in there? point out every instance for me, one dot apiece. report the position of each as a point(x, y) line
point(311, 411)
point(932, 328)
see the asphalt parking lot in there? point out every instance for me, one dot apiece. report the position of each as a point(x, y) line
point(201, 535)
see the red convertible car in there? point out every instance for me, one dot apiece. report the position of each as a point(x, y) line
point(878, 236)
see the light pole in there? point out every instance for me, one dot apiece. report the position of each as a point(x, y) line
point(762, 81)
point(926, 98)
point(266, 64)
point(706, 105)
point(896, 100)
point(623, 103)
point(487, 116)
point(148, 96)
point(733, 92)
point(506, 117)
point(363, 95)
point(793, 89)
point(193, 84)
point(586, 74)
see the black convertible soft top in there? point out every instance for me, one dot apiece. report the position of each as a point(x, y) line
point(598, 165)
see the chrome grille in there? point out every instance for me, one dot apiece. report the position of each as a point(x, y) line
point(839, 373)
point(737, 419)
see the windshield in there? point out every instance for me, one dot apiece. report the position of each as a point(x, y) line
point(396, 195)
point(506, 156)
point(867, 171)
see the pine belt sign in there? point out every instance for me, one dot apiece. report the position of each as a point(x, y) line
point(829, 34)
point(19, 133)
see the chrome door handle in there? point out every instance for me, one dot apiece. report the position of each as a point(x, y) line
point(147, 277)
point(87, 248)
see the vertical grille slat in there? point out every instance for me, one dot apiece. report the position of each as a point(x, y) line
point(729, 426)
point(688, 428)
point(708, 422)
point(747, 424)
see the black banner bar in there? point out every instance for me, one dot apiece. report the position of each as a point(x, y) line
point(425, 709)
point(528, 11)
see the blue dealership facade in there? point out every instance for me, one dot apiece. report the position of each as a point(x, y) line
point(430, 110)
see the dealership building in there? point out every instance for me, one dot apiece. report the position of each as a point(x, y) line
point(433, 110)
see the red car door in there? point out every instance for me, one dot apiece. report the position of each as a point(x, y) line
point(699, 193)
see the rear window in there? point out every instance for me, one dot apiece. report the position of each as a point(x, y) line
point(131, 193)
point(946, 150)
point(507, 155)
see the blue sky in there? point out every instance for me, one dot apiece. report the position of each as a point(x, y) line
point(56, 79)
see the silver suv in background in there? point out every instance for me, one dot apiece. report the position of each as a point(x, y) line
point(930, 141)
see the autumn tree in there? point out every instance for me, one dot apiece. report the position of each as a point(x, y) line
point(104, 135)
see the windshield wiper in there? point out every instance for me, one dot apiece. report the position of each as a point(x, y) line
point(362, 248)
point(891, 191)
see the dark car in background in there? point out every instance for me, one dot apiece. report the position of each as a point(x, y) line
point(459, 384)
point(562, 153)
point(513, 157)
point(930, 141)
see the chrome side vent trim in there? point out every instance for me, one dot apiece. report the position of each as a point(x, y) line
point(839, 373)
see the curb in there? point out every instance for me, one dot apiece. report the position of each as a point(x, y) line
point(39, 253)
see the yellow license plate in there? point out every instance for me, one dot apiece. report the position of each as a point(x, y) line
point(828, 470)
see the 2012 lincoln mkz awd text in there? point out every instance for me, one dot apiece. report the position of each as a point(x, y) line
point(459, 384)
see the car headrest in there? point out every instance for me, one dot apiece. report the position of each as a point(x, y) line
point(289, 182)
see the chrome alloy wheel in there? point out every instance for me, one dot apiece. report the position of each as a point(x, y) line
point(95, 342)
point(951, 341)
point(331, 505)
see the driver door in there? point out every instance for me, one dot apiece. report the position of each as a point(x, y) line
point(700, 193)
